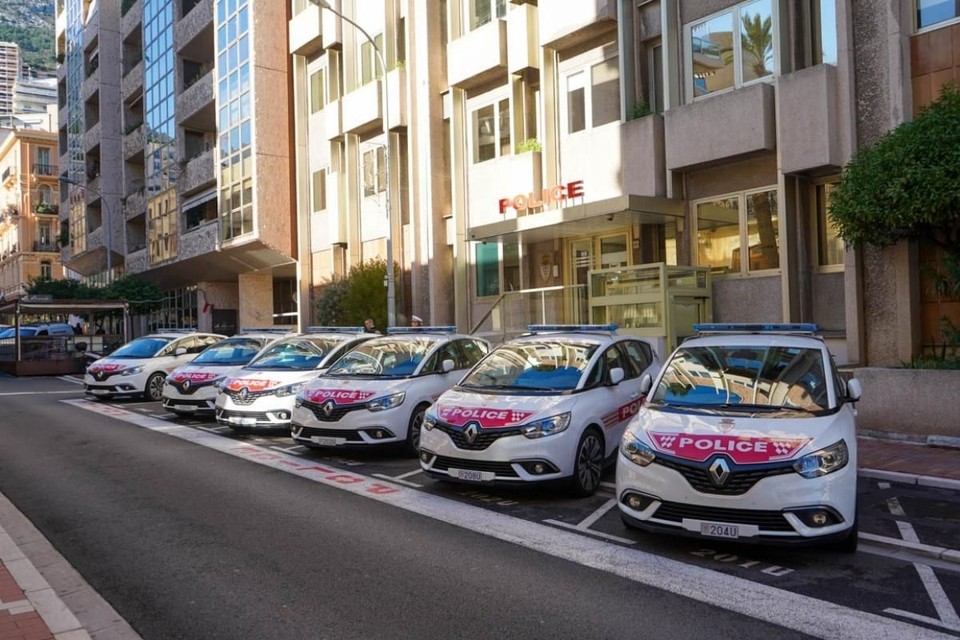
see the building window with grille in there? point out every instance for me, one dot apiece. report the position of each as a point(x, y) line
point(318, 90)
point(738, 234)
point(481, 12)
point(731, 48)
point(46, 270)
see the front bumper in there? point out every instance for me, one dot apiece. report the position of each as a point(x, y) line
point(115, 385)
point(766, 512)
point(349, 425)
point(202, 400)
point(265, 412)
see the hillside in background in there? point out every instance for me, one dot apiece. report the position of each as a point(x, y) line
point(31, 24)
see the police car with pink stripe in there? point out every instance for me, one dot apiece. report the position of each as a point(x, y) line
point(548, 406)
point(749, 434)
point(377, 394)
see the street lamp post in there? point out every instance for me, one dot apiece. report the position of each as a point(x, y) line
point(106, 223)
point(391, 292)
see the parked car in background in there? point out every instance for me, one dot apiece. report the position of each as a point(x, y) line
point(378, 393)
point(192, 388)
point(260, 395)
point(748, 434)
point(141, 366)
point(549, 406)
point(38, 330)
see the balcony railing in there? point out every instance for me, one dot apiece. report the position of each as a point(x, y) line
point(45, 169)
point(47, 208)
point(45, 246)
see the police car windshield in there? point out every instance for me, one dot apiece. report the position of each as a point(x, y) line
point(141, 348)
point(232, 351)
point(745, 378)
point(384, 357)
point(547, 365)
point(296, 354)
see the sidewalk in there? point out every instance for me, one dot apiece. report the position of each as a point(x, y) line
point(42, 597)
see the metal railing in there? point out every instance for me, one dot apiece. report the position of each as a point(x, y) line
point(514, 311)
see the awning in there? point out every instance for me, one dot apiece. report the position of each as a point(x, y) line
point(199, 198)
point(78, 307)
point(581, 220)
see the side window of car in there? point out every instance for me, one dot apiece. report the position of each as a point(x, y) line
point(205, 341)
point(450, 352)
point(473, 352)
point(638, 357)
point(184, 343)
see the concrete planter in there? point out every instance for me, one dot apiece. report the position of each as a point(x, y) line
point(918, 403)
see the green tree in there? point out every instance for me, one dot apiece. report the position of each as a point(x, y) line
point(359, 295)
point(907, 187)
point(144, 296)
point(63, 289)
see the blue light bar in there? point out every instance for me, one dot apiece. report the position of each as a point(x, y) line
point(443, 329)
point(540, 328)
point(747, 327)
point(265, 330)
point(316, 329)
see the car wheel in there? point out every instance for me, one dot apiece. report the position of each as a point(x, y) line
point(588, 464)
point(412, 446)
point(154, 389)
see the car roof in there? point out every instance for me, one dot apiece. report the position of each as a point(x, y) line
point(756, 340)
point(174, 335)
point(432, 336)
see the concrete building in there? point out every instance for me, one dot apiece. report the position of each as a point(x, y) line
point(9, 72)
point(554, 160)
point(174, 121)
point(29, 220)
point(34, 95)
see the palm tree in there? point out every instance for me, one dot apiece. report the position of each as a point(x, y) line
point(756, 41)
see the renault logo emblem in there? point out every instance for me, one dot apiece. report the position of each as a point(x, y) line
point(101, 375)
point(327, 408)
point(471, 432)
point(719, 472)
point(244, 392)
point(186, 385)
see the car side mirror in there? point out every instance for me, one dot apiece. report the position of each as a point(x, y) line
point(854, 390)
point(448, 365)
point(180, 351)
point(646, 383)
point(616, 375)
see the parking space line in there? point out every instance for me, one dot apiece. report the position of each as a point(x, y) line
point(412, 473)
point(599, 534)
point(947, 614)
point(34, 393)
point(399, 479)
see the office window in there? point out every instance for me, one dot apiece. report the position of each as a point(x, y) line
point(46, 270)
point(488, 269)
point(318, 97)
point(597, 102)
point(731, 48)
point(369, 61)
point(931, 12)
point(481, 12)
point(374, 171)
point(822, 31)
point(727, 224)
point(491, 131)
point(319, 195)
point(829, 245)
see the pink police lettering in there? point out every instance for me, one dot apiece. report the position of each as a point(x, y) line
point(740, 449)
point(109, 368)
point(252, 384)
point(339, 396)
point(485, 417)
point(192, 376)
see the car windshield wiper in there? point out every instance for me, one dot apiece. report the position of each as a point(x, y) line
point(748, 407)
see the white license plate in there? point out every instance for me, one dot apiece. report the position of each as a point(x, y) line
point(244, 422)
point(470, 475)
point(327, 442)
point(99, 392)
point(717, 530)
point(184, 407)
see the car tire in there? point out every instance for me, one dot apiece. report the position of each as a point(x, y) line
point(587, 464)
point(412, 445)
point(153, 392)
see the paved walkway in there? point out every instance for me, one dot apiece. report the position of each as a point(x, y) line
point(42, 597)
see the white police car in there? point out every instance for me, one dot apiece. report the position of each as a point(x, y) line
point(261, 394)
point(141, 366)
point(192, 389)
point(378, 392)
point(749, 434)
point(550, 405)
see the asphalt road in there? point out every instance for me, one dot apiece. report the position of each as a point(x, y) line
point(186, 542)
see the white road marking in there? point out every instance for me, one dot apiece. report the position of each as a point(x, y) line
point(599, 513)
point(591, 532)
point(36, 393)
point(411, 473)
point(947, 615)
point(812, 616)
point(406, 483)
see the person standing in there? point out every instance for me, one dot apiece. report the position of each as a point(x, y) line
point(416, 321)
point(369, 326)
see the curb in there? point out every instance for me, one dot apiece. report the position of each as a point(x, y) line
point(912, 478)
point(916, 548)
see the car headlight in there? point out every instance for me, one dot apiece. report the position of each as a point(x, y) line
point(636, 451)
point(132, 371)
point(216, 382)
point(298, 402)
point(547, 426)
point(288, 390)
point(429, 421)
point(386, 402)
point(820, 463)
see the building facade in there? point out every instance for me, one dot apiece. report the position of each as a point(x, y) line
point(174, 121)
point(9, 73)
point(29, 216)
